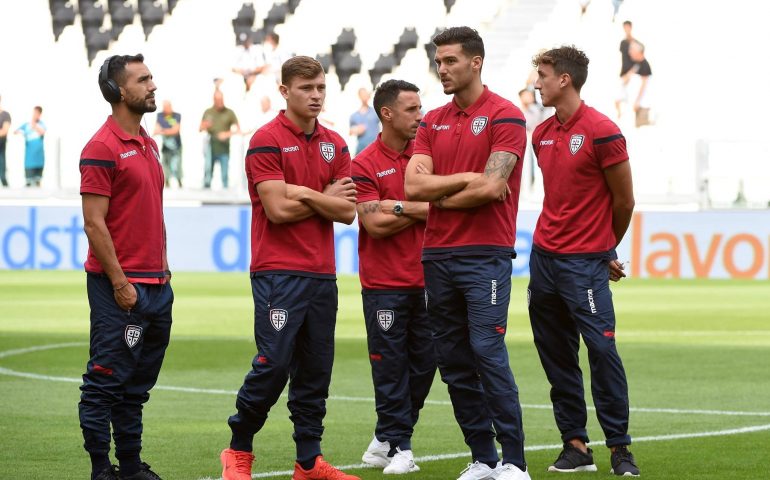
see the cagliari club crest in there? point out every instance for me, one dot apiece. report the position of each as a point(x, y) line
point(575, 142)
point(132, 335)
point(278, 317)
point(479, 124)
point(385, 319)
point(328, 151)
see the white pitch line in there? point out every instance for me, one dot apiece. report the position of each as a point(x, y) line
point(532, 448)
point(343, 398)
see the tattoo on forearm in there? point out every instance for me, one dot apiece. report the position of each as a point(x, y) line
point(371, 207)
point(500, 164)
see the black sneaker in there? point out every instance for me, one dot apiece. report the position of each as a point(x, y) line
point(144, 473)
point(109, 473)
point(622, 462)
point(573, 460)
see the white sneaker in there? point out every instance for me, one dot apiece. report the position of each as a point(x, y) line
point(478, 471)
point(511, 472)
point(376, 453)
point(402, 462)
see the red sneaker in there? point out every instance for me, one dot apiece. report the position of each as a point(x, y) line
point(236, 465)
point(321, 471)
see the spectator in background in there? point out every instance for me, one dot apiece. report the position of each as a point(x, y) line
point(168, 125)
point(273, 57)
point(534, 114)
point(249, 61)
point(643, 70)
point(364, 123)
point(34, 153)
point(633, 64)
point(221, 124)
point(5, 127)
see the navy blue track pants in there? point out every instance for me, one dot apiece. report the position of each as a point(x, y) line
point(294, 321)
point(570, 297)
point(402, 358)
point(468, 306)
point(126, 350)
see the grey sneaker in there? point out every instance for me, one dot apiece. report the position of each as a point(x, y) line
point(572, 460)
point(622, 462)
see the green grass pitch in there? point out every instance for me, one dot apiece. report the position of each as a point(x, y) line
point(697, 355)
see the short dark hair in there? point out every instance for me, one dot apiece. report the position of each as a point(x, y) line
point(38, 108)
point(566, 59)
point(468, 38)
point(387, 93)
point(300, 66)
point(117, 69)
point(628, 22)
point(276, 38)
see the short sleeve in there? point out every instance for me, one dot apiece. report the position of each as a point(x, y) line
point(263, 159)
point(97, 169)
point(342, 162)
point(422, 144)
point(509, 131)
point(366, 188)
point(609, 144)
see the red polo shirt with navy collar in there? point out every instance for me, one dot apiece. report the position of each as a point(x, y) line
point(393, 262)
point(126, 169)
point(577, 208)
point(280, 150)
point(461, 140)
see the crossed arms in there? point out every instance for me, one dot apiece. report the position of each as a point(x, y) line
point(284, 202)
point(459, 190)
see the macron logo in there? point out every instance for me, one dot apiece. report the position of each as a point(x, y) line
point(127, 154)
point(390, 171)
point(440, 127)
point(294, 148)
point(546, 142)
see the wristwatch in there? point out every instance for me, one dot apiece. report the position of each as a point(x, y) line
point(398, 209)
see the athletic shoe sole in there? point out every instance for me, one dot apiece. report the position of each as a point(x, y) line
point(582, 468)
point(375, 460)
point(627, 474)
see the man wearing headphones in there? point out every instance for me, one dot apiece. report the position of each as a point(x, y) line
point(127, 274)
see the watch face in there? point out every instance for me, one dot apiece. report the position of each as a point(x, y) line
point(398, 209)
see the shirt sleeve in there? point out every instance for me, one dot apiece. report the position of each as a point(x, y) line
point(98, 165)
point(342, 162)
point(366, 188)
point(263, 159)
point(509, 131)
point(422, 143)
point(609, 144)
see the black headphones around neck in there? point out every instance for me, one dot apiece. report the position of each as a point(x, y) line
point(110, 89)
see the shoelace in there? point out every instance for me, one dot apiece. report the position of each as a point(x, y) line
point(623, 455)
point(327, 469)
point(470, 465)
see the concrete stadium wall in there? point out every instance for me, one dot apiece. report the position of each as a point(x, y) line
point(733, 244)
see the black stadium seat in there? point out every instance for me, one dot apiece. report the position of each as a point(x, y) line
point(275, 16)
point(96, 40)
point(383, 65)
point(346, 65)
point(346, 42)
point(325, 59)
point(292, 5)
point(449, 4)
point(243, 23)
point(63, 16)
point(407, 40)
point(152, 14)
point(121, 14)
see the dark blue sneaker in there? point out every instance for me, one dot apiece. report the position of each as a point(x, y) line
point(144, 473)
point(572, 460)
point(622, 462)
point(109, 473)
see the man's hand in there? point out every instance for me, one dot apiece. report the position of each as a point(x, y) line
point(616, 270)
point(505, 194)
point(125, 296)
point(342, 188)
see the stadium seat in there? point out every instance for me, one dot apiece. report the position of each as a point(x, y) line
point(245, 16)
point(325, 59)
point(275, 16)
point(152, 14)
point(96, 41)
point(347, 65)
point(121, 14)
point(63, 16)
point(170, 4)
point(382, 66)
point(91, 16)
point(407, 40)
point(346, 42)
point(449, 4)
point(292, 5)
point(430, 50)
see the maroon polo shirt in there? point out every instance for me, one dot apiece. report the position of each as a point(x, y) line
point(577, 208)
point(461, 141)
point(391, 263)
point(280, 151)
point(126, 169)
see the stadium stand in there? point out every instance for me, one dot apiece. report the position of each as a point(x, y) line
point(188, 43)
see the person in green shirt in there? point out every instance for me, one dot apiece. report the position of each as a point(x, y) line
point(221, 124)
